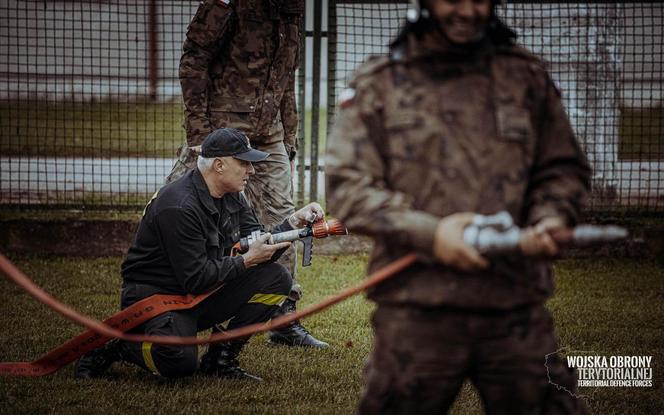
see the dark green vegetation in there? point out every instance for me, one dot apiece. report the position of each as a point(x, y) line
point(90, 129)
point(641, 134)
point(108, 129)
point(42, 214)
point(105, 129)
point(610, 306)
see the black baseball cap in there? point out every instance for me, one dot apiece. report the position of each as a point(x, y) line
point(229, 142)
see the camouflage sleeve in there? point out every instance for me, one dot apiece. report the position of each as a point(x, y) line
point(205, 31)
point(560, 177)
point(288, 110)
point(356, 172)
point(289, 117)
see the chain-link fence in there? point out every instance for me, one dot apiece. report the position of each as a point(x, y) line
point(608, 59)
point(91, 114)
point(90, 103)
point(90, 106)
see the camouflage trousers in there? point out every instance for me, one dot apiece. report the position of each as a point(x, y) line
point(422, 357)
point(269, 191)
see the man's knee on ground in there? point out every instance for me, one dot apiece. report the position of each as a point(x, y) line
point(175, 361)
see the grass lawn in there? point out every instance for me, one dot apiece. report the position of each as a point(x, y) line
point(90, 129)
point(641, 134)
point(107, 129)
point(611, 306)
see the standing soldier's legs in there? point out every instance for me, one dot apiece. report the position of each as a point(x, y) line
point(510, 371)
point(270, 193)
point(418, 362)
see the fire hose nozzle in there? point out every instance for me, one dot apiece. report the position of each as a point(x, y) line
point(323, 228)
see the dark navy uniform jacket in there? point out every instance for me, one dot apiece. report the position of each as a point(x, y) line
point(184, 240)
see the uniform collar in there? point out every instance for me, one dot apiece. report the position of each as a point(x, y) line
point(434, 44)
point(202, 191)
point(232, 202)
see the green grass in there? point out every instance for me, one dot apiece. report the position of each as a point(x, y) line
point(102, 129)
point(322, 132)
point(612, 306)
point(641, 134)
point(90, 129)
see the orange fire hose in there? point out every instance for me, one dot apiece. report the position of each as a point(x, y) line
point(99, 332)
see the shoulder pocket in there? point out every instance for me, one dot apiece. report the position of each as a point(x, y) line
point(213, 238)
point(209, 22)
point(213, 244)
point(514, 124)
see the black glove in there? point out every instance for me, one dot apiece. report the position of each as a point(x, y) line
point(291, 151)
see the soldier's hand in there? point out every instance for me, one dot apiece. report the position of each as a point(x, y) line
point(262, 250)
point(311, 212)
point(537, 241)
point(448, 245)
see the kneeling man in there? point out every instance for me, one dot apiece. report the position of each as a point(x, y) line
point(183, 246)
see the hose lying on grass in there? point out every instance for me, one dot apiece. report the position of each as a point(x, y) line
point(99, 333)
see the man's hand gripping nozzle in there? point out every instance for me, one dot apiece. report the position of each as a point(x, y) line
point(497, 234)
point(316, 229)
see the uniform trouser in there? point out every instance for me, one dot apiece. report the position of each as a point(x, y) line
point(251, 298)
point(421, 358)
point(270, 192)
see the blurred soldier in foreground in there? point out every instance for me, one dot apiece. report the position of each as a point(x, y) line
point(238, 70)
point(458, 121)
point(183, 246)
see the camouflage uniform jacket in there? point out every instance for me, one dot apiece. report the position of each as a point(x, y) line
point(237, 69)
point(429, 132)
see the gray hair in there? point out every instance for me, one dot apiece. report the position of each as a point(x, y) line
point(204, 163)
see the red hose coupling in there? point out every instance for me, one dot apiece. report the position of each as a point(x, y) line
point(323, 228)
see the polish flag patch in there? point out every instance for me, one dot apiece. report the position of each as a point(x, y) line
point(346, 97)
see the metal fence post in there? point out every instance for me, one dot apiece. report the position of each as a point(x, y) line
point(301, 109)
point(331, 69)
point(153, 50)
point(315, 103)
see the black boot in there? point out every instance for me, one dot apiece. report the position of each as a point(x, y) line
point(295, 334)
point(95, 363)
point(221, 361)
